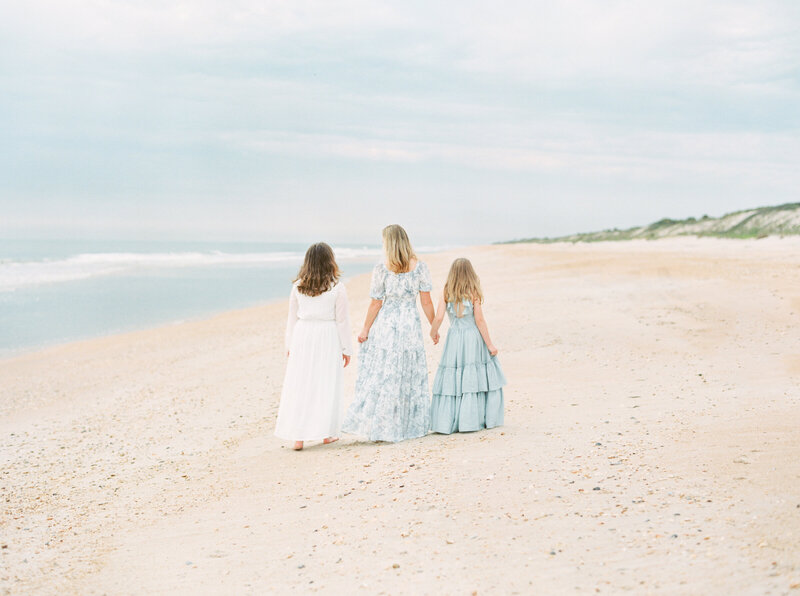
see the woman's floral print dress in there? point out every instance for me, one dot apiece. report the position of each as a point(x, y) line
point(391, 400)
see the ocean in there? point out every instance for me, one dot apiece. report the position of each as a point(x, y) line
point(57, 291)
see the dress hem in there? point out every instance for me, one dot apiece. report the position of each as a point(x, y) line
point(314, 438)
point(383, 440)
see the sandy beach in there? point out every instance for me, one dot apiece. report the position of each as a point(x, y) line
point(651, 445)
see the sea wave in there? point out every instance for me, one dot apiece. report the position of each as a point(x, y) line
point(18, 274)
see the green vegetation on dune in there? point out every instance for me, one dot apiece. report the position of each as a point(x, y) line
point(778, 220)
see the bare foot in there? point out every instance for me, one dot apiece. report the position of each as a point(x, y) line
point(330, 440)
point(298, 445)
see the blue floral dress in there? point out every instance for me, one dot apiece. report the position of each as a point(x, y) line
point(391, 401)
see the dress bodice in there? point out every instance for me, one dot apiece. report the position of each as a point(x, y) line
point(467, 318)
point(317, 308)
point(328, 307)
point(399, 289)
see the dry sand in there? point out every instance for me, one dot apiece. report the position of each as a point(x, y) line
point(651, 445)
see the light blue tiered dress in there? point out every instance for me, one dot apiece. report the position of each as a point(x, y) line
point(468, 387)
point(391, 401)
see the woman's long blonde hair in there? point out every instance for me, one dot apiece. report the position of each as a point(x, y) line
point(462, 283)
point(397, 247)
point(319, 272)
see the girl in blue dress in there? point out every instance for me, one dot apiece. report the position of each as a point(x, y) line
point(391, 401)
point(468, 387)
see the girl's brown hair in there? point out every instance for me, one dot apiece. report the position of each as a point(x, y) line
point(462, 282)
point(319, 272)
point(398, 249)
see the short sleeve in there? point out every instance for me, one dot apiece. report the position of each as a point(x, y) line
point(425, 284)
point(377, 288)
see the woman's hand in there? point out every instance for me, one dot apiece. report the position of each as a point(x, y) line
point(346, 359)
point(363, 336)
point(435, 337)
point(492, 350)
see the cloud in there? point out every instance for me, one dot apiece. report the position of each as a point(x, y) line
point(106, 102)
point(147, 25)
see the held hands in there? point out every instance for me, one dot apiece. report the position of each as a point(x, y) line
point(435, 337)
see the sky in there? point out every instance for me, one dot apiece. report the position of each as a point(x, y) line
point(466, 122)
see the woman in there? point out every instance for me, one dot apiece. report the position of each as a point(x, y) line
point(391, 400)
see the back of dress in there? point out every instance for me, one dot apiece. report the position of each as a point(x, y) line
point(317, 308)
point(399, 288)
point(466, 318)
point(330, 306)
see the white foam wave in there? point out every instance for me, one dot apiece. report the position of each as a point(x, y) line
point(18, 274)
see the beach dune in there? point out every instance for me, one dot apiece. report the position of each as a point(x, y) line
point(651, 445)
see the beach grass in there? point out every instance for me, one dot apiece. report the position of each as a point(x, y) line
point(779, 220)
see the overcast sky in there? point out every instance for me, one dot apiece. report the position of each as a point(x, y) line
point(464, 121)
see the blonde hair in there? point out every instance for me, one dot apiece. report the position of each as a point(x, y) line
point(319, 272)
point(397, 248)
point(462, 283)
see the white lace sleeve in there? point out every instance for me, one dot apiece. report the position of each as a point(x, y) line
point(343, 321)
point(291, 321)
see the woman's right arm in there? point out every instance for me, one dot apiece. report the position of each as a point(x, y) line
point(377, 290)
point(372, 312)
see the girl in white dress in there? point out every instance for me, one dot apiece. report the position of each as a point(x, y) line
point(318, 344)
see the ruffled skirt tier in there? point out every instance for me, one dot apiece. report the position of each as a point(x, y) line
point(468, 387)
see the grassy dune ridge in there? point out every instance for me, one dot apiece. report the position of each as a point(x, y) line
point(779, 220)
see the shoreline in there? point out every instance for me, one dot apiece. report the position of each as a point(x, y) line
point(710, 241)
point(650, 444)
point(122, 335)
point(33, 350)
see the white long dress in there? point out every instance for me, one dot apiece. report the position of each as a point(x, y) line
point(317, 334)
